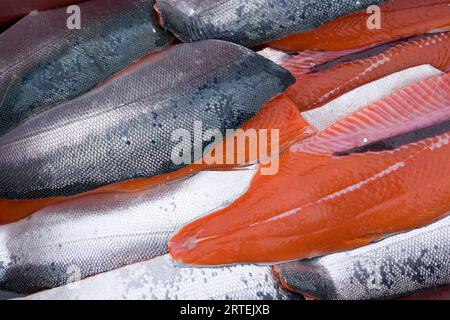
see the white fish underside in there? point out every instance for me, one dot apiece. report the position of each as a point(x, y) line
point(160, 279)
point(98, 233)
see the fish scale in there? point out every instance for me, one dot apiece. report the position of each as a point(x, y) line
point(396, 266)
point(160, 279)
point(252, 22)
point(123, 129)
point(101, 232)
point(349, 201)
point(398, 19)
point(43, 62)
point(11, 10)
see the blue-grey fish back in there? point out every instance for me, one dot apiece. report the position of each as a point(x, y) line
point(397, 266)
point(251, 22)
point(124, 128)
point(43, 62)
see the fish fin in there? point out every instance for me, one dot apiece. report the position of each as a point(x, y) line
point(414, 107)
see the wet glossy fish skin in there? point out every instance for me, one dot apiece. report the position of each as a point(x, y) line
point(349, 201)
point(42, 62)
point(123, 129)
point(251, 22)
point(397, 266)
point(102, 232)
point(442, 293)
point(399, 19)
point(315, 89)
point(159, 279)
point(12, 10)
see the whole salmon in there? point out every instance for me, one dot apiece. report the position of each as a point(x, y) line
point(124, 129)
point(397, 266)
point(43, 61)
point(251, 22)
point(382, 170)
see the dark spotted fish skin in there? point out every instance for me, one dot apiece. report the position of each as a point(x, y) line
point(42, 62)
point(124, 128)
point(397, 266)
point(251, 22)
point(160, 279)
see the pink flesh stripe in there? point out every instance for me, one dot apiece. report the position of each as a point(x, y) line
point(418, 106)
point(305, 61)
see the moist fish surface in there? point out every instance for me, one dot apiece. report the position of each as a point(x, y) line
point(159, 279)
point(397, 266)
point(130, 126)
point(12, 10)
point(101, 232)
point(322, 78)
point(283, 114)
point(397, 19)
point(252, 22)
point(442, 293)
point(43, 62)
point(5, 295)
point(322, 202)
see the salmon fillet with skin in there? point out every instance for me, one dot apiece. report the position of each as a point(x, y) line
point(321, 203)
point(329, 80)
point(399, 19)
point(12, 10)
point(280, 114)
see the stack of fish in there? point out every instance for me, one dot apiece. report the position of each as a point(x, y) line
point(94, 203)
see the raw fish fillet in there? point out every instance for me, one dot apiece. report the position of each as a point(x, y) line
point(397, 266)
point(43, 62)
point(12, 10)
point(159, 279)
point(321, 203)
point(328, 80)
point(250, 22)
point(129, 127)
point(398, 19)
point(101, 232)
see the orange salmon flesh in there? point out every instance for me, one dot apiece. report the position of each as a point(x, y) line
point(398, 19)
point(280, 113)
point(320, 203)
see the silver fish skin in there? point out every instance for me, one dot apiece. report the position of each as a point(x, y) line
point(5, 295)
point(12, 10)
point(43, 62)
point(252, 22)
point(159, 279)
point(124, 129)
point(396, 266)
point(101, 232)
